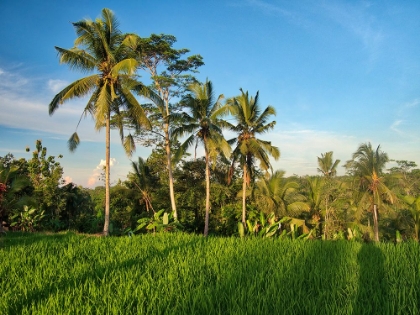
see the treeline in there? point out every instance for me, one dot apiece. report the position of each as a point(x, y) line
point(319, 207)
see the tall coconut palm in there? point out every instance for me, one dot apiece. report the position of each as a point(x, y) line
point(367, 166)
point(328, 168)
point(204, 124)
point(326, 165)
point(100, 48)
point(250, 122)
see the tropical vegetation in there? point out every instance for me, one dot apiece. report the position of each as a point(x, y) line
point(210, 194)
point(204, 224)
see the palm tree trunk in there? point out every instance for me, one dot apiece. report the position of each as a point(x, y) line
point(375, 222)
point(107, 185)
point(171, 178)
point(206, 220)
point(326, 219)
point(244, 198)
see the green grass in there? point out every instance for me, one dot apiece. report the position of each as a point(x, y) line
point(187, 274)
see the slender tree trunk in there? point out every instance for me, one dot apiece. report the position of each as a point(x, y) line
point(244, 197)
point(171, 178)
point(326, 219)
point(206, 220)
point(107, 172)
point(375, 222)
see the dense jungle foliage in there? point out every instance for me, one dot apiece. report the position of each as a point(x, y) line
point(35, 198)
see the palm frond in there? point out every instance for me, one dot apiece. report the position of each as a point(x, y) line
point(126, 66)
point(73, 142)
point(129, 145)
point(78, 88)
point(102, 106)
point(77, 59)
point(183, 148)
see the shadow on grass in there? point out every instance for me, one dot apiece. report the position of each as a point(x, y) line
point(10, 239)
point(372, 295)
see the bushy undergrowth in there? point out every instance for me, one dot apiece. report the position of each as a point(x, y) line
point(188, 274)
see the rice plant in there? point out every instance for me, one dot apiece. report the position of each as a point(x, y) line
point(188, 274)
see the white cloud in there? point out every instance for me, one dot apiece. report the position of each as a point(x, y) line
point(56, 85)
point(68, 179)
point(395, 125)
point(9, 80)
point(102, 164)
point(300, 148)
point(96, 173)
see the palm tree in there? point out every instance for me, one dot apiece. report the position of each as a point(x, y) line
point(143, 181)
point(367, 165)
point(328, 168)
point(204, 125)
point(326, 165)
point(414, 207)
point(250, 123)
point(278, 195)
point(100, 46)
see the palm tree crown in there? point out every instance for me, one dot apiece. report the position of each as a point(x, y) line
point(251, 122)
point(326, 164)
point(203, 123)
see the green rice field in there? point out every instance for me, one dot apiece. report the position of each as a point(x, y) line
point(189, 274)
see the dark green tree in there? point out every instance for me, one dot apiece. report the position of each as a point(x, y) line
point(45, 174)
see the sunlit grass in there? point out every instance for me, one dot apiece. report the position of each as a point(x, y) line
point(187, 274)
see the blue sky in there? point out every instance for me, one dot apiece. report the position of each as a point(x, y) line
point(339, 73)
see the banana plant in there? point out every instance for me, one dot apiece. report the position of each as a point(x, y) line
point(27, 220)
point(414, 207)
point(161, 221)
point(263, 226)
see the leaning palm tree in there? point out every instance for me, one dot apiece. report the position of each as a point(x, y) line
point(204, 125)
point(250, 122)
point(100, 48)
point(367, 166)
